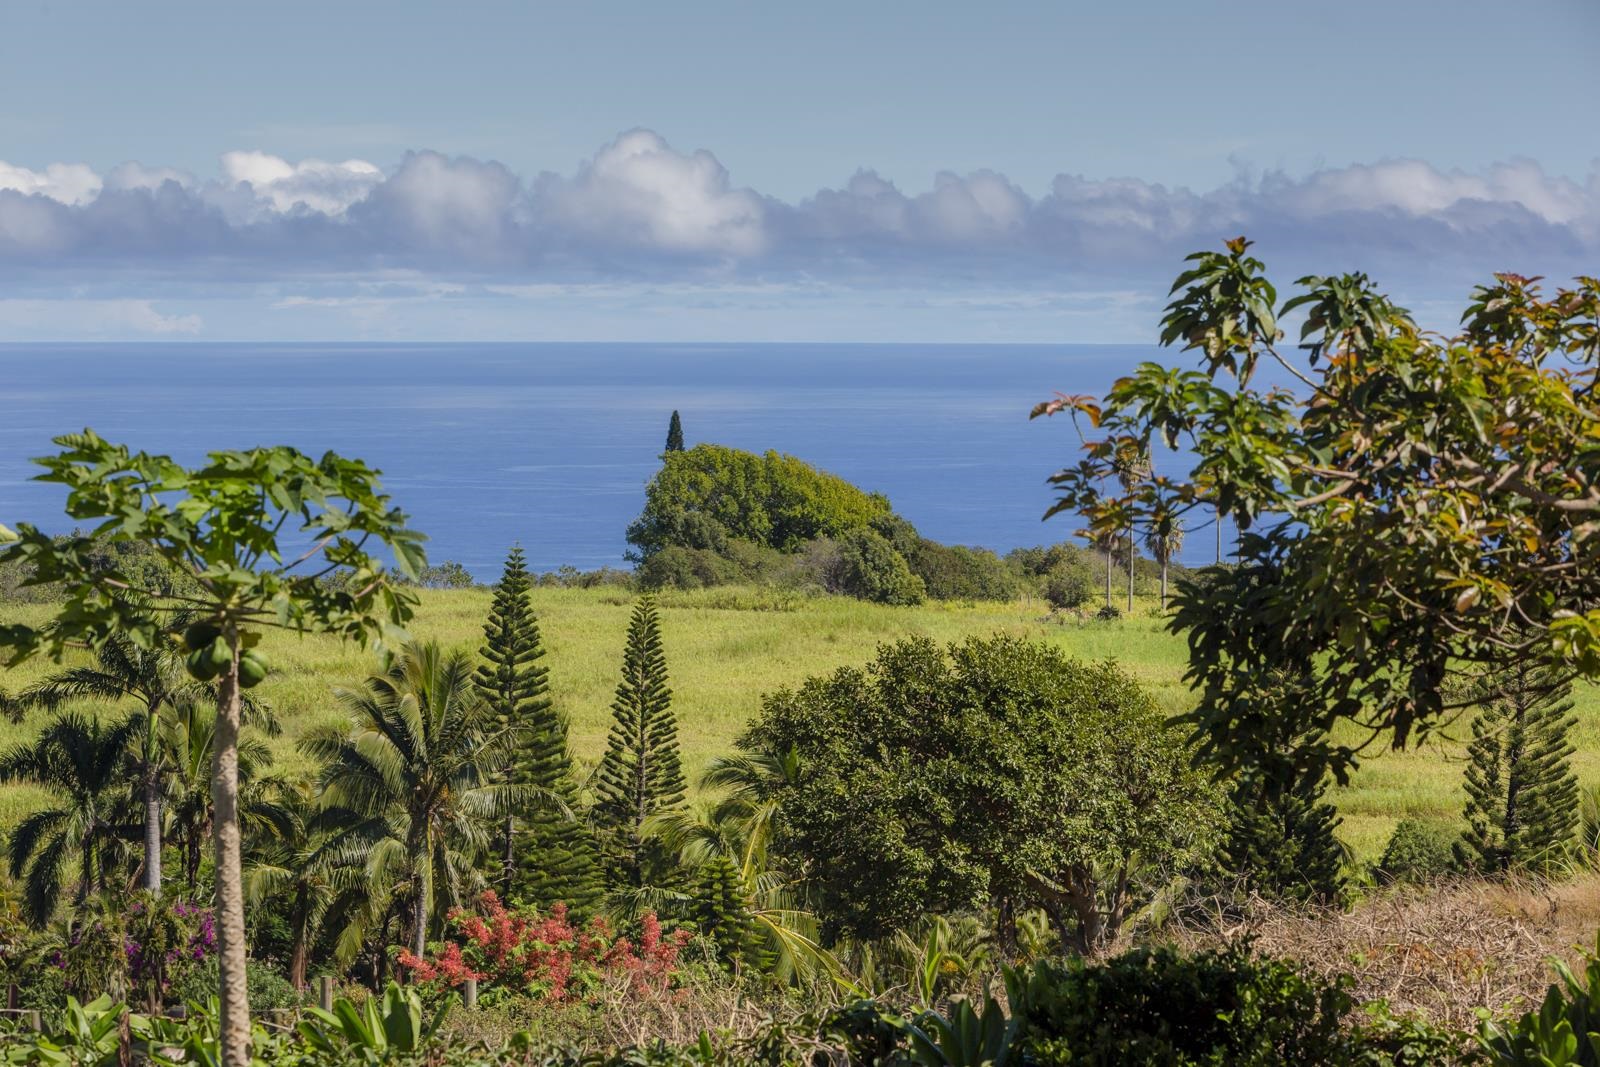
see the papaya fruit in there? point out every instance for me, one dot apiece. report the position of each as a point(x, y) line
point(199, 665)
point(200, 635)
point(219, 655)
point(253, 668)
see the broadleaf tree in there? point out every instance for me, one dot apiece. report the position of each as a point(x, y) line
point(1410, 506)
point(273, 538)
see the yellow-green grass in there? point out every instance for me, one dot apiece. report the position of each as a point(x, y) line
point(727, 647)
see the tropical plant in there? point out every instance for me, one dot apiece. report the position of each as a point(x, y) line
point(1365, 497)
point(84, 762)
point(1131, 463)
point(640, 776)
point(220, 525)
point(184, 735)
point(1164, 540)
point(1522, 796)
point(545, 853)
point(1281, 840)
point(1563, 1031)
point(382, 1029)
point(419, 765)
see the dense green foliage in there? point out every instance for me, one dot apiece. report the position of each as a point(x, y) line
point(707, 495)
point(868, 568)
point(1366, 497)
point(1418, 851)
point(1281, 840)
point(938, 779)
point(546, 854)
point(675, 434)
point(1522, 797)
point(640, 776)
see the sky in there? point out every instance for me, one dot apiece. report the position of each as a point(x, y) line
point(827, 171)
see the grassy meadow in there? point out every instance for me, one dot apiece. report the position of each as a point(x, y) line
point(728, 646)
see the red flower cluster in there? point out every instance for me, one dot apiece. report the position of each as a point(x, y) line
point(547, 955)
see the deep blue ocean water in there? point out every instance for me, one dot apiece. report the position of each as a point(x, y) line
point(550, 445)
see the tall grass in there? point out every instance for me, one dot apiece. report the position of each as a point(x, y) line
point(728, 646)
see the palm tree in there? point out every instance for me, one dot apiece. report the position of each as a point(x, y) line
point(735, 833)
point(418, 766)
point(299, 858)
point(1164, 540)
point(153, 677)
point(1132, 465)
point(85, 762)
point(185, 733)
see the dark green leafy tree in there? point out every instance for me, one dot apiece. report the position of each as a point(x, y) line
point(86, 763)
point(546, 855)
point(675, 434)
point(1522, 796)
point(1365, 472)
point(640, 776)
point(994, 770)
point(263, 533)
point(420, 764)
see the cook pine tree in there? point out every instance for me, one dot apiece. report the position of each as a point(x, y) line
point(1522, 796)
point(675, 434)
point(640, 775)
point(545, 854)
point(1281, 841)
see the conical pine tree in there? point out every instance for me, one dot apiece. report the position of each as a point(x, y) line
point(675, 434)
point(1522, 797)
point(544, 855)
point(1281, 841)
point(640, 775)
point(719, 906)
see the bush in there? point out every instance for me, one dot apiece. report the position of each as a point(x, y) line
point(1157, 1006)
point(446, 575)
point(1418, 851)
point(1108, 613)
point(955, 572)
point(1067, 587)
point(686, 568)
point(869, 568)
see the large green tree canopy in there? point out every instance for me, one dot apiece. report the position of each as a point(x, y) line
point(703, 496)
point(1413, 505)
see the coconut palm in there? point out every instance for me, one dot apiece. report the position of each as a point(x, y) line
point(299, 859)
point(418, 766)
point(1132, 465)
point(185, 733)
point(85, 762)
point(1164, 540)
point(155, 679)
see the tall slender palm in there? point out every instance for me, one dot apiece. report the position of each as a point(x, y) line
point(155, 679)
point(418, 765)
point(1164, 541)
point(1132, 465)
point(85, 762)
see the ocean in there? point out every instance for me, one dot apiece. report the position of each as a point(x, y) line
point(550, 445)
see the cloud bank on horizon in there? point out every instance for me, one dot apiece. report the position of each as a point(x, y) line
point(271, 236)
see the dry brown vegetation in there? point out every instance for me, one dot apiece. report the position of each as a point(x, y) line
point(1442, 951)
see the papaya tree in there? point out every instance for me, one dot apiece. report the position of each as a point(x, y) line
point(1411, 506)
point(273, 539)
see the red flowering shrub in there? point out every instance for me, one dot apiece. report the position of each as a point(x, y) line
point(521, 951)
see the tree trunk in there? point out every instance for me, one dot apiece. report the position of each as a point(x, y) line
point(419, 939)
point(298, 951)
point(152, 835)
point(233, 1035)
point(1219, 537)
point(1163, 581)
point(1131, 553)
point(508, 856)
point(1110, 547)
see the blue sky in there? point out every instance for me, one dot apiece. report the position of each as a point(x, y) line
point(700, 171)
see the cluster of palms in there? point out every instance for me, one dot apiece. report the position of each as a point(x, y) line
point(417, 805)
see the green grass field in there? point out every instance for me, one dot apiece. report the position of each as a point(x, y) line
point(726, 647)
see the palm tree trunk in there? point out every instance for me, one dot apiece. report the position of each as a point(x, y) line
point(1219, 536)
point(233, 1035)
point(1110, 546)
point(1163, 581)
point(1131, 553)
point(298, 951)
point(152, 836)
point(419, 938)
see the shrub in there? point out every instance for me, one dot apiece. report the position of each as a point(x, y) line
point(1417, 851)
point(1108, 613)
point(868, 568)
point(1067, 587)
point(955, 572)
point(447, 575)
point(1157, 1006)
point(675, 567)
point(520, 951)
point(1563, 1030)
